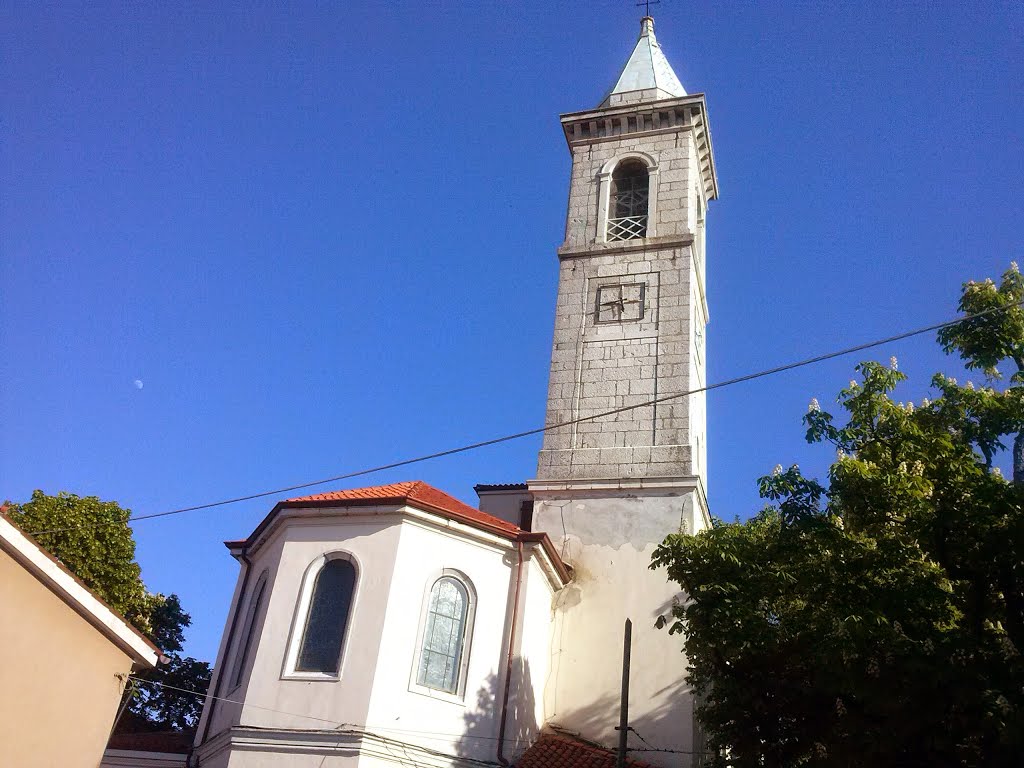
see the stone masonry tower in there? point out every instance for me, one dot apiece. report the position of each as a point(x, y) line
point(629, 330)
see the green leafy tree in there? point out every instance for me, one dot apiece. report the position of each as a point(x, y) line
point(93, 540)
point(879, 619)
point(992, 337)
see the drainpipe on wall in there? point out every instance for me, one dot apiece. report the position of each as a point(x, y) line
point(247, 563)
point(508, 665)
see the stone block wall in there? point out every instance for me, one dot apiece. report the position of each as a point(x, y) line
point(599, 367)
point(596, 368)
point(676, 179)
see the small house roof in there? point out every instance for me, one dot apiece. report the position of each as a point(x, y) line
point(557, 750)
point(54, 575)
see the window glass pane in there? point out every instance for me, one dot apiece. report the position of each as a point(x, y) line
point(444, 635)
point(433, 671)
point(320, 650)
point(447, 596)
point(444, 628)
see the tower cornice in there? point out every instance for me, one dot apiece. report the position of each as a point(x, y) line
point(684, 114)
point(625, 246)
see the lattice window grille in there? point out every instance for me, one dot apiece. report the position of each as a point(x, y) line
point(627, 228)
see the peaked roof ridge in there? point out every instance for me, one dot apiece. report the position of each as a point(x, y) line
point(428, 494)
point(383, 491)
point(647, 75)
point(413, 493)
point(408, 491)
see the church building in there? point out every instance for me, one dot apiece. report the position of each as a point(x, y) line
point(397, 625)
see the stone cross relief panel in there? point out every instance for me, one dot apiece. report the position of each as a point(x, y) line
point(617, 364)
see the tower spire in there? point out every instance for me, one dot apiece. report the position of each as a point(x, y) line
point(647, 75)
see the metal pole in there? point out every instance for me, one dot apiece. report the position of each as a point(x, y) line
point(623, 728)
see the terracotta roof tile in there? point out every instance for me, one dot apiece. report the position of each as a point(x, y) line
point(418, 494)
point(410, 492)
point(554, 750)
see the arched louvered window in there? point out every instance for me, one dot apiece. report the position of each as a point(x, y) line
point(327, 617)
point(628, 199)
point(443, 653)
point(248, 631)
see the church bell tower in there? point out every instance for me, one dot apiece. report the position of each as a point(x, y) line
point(629, 337)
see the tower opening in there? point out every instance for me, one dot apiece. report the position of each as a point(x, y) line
point(628, 197)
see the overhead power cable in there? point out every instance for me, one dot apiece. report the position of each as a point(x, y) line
point(560, 424)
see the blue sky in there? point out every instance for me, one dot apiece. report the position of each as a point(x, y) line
point(322, 236)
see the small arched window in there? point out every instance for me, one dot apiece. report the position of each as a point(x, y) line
point(248, 630)
point(326, 619)
point(443, 657)
point(627, 201)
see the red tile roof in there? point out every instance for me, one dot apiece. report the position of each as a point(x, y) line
point(417, 494)
point(555, 750)
point(414, 492)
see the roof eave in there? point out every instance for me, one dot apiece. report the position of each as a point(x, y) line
point(71, 590)
point(239, 547)
point(709, 173)
point(368, 502)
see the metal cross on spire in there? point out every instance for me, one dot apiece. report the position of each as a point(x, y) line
point(647, 5)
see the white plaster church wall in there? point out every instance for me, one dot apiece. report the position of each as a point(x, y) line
point(398, 561)
point(612, 581)
point(220, 713)
point(373, 544)
point(532, 664)
point(396, 701)
point(224, 714)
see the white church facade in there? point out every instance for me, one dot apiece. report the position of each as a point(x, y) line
point(397, 625)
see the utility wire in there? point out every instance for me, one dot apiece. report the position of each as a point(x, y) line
point(651, 748)
point(559, 424)
point(636, 733)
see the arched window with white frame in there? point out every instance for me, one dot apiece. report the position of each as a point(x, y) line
point(447, 629)
point(628, 201)
point(248, 632)
point(322, 618)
